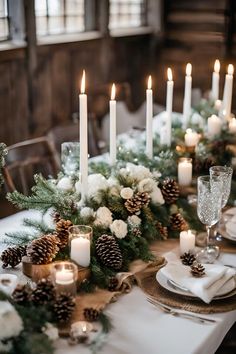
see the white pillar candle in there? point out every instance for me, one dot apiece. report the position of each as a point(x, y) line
point(83, 139)
point(169, 104)
point(187, 241)
point(214, 125)
point(187, 95)
point(191, 138)
point(113, 126)
point(215, 81)
point(232, 125)
point(80, 251)
point(228, 91)
point(64, 277)
point(149, 118)
point(185, 171)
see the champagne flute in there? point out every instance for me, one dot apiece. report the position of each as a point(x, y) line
point(208, 209)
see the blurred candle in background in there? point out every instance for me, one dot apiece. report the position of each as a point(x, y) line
point(149, 118)
point(169, 104)
point(215, 81)
point(228, 91)
point(187, 95)
point(113, 126)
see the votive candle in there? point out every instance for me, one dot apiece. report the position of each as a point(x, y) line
point(185, 170)
point(187, 241)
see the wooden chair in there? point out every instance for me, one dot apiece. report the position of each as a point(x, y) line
point(70, 132)
point(26, 158)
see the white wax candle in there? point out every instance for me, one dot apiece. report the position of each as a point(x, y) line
point(191, 138)
point(214, 125)
point(149, 118)
point(80, 251)
point(215, 81)
point(187, 95)
point(185, 169)
point(232, 125)
point(113, 126)
point(187, 241)
point(64, 277)
point(169, 104)
point(228, 91)
point(83, 139)
point(217, 105)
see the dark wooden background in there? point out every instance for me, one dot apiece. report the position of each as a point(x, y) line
point(39, 84)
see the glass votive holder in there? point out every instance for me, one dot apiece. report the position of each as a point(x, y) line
point(64, 277)
point(80, 237)
point(185, 171)
point(70, 157)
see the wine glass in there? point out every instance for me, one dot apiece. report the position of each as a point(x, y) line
point(208, 209)
point(224, 173)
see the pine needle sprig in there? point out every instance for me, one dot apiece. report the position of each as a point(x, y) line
point(37, 225)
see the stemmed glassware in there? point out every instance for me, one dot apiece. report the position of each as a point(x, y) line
point(209, 204)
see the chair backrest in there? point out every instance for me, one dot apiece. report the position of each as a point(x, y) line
point(26, 158)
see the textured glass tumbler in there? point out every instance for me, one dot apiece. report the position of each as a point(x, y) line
point(64, 277)
point(70, 157)
point(209, 210)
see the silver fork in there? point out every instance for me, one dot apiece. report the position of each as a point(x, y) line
point(177, 313)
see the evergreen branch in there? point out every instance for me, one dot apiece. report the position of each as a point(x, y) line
point(19, 237)
point(40, 226)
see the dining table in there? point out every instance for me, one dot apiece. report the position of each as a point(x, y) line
point(137, 325)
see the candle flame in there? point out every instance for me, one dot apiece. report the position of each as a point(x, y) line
point(189, 131)
point(149, 85)
point(189, 232)
point(217, 66)
point(188, 69)
point(230, 69)
point(83, 83)
point(113, 92)
point(84, 328)
point(169, 74)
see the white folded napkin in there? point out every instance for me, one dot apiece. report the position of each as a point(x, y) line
point(206, 287)
point(230, 227)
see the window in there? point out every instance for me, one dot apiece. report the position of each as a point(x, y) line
point(59, 16)
point(127, 14)
point(4, 21)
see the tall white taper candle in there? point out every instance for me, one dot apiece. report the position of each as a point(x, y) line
point(228, 91)
point(169, 104)
point(113, 126)
point(187, 95)
point(149, 117)
point(83, 139)
point(215, 81)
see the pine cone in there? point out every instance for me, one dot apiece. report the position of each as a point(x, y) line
point(112, 284)
point(188, 258)
point(21, 294)
point(12, 256)
point(43, 249)
point(197, 270)
point(170, 190)
point(178, 223)
point(91, 314)
point(44, 292)
point(63, 307)
point(140, 199)
point(56, 217)
point(162, 230)
point(109, 252)
point(62, 232)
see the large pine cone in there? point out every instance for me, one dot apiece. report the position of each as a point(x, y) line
point(21, 295)
point(139, 200)
point(178, 223)
point(43, 249)
point(188, 258)
point(91, 314)
point(170, 190)
point(162, 230)
point(109, 252)
point(12, 256)
point(63, 307)
point(197, 270)
point(44, 292)
point(62, 232)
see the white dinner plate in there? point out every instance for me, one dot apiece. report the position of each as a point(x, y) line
point(223, 293)
point(226, 235)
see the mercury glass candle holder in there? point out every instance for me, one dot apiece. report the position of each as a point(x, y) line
point(80, 237)
point(64, 277)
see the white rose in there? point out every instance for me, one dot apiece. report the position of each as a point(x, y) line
point(126, 193)
point(146, 185)
point(134, 220)
point(119, 228)
point(65, 184)
point(86, 212)
point(103, 217)
point(156, 196)
point(138, 172)
point(11, 323)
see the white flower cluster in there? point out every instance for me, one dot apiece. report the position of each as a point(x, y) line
point(137, 172)
point(11, 323)
point(103, 217)
point(119, 228)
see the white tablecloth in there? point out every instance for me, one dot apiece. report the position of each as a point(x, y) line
point(138, 326)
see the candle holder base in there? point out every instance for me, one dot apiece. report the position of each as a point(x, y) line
point(35, 271)
point(83, 274)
